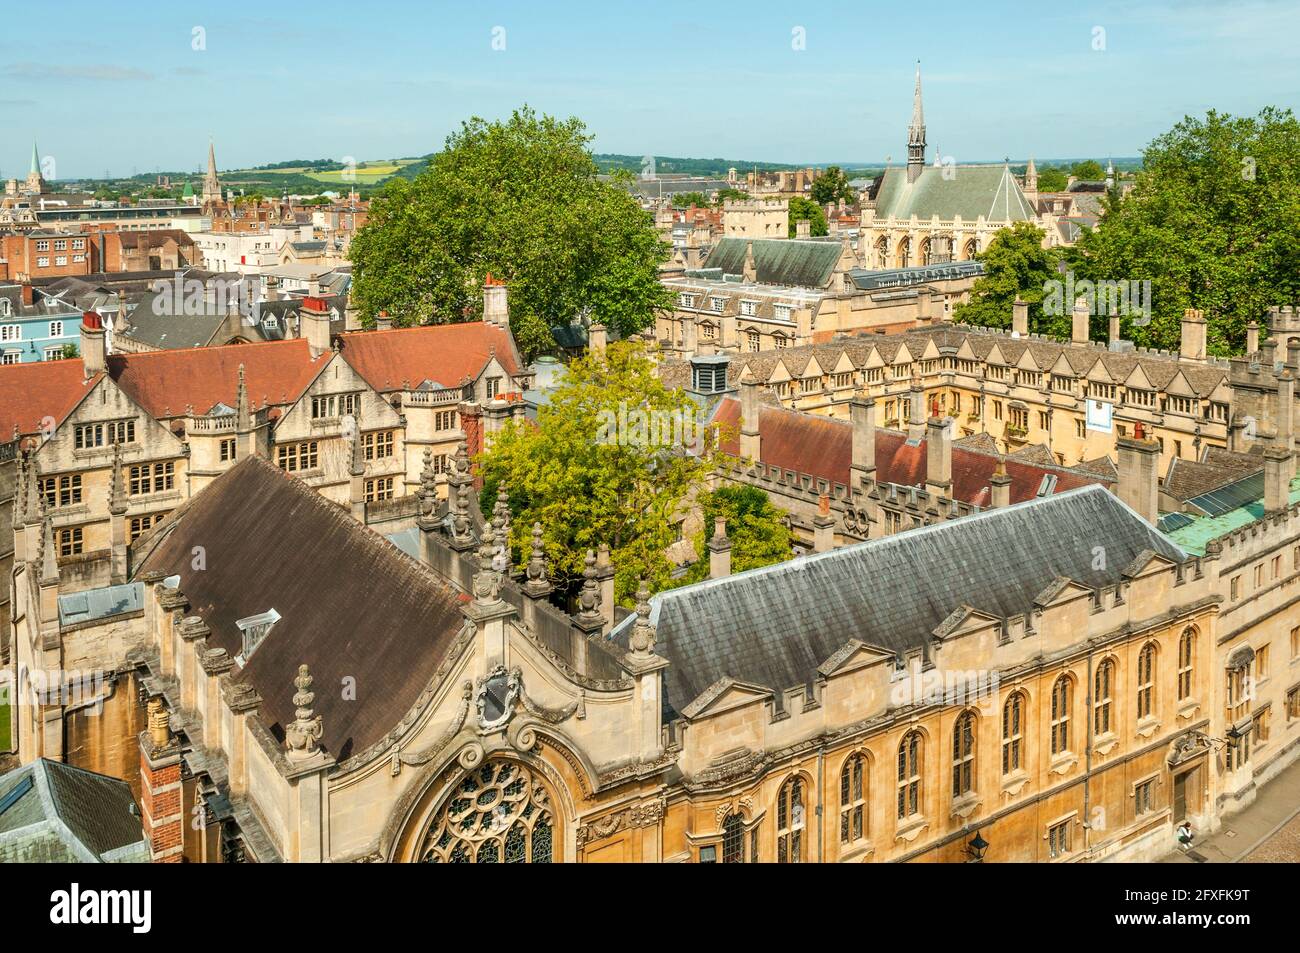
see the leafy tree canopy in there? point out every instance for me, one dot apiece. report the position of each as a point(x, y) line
point(800, 209)
point(731, 195)
point(1052, 179)
point(687, 199)
point(1015, 266)
point(1213, 222)
point(520, 200)
point(754, 526)
point(1089, 170)
point(831, 186)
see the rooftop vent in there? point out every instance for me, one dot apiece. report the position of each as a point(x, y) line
point(255, 628)
point(709, 373)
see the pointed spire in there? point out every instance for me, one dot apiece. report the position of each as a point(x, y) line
point(116, 489)
point(916, 132)
point(642, 640)
point(49, 565)
point(303, 733)
point(751, 270)
point(35, 168)
point(20, 489)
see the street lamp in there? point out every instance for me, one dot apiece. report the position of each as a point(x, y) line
point(976, 848)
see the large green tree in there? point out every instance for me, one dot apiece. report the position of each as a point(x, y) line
point(1015, 266)
point(1213, 222)
point(605, 462)
point(801, 209)
point(755, 527)
point(520, 200)
point(831, 186)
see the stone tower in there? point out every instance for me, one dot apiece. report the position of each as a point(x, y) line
point(916, 133)
point(35, 180)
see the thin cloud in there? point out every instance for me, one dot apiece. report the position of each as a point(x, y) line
point(101, 72)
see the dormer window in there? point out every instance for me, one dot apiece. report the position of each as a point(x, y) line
point(255, 629)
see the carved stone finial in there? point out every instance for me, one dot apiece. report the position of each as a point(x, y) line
point(589, 596)
point(160, 724)
point(116, 490)
point(458, 492)
point(303, 734)
point(487, 581)
point(537, 584)
point(642, 640)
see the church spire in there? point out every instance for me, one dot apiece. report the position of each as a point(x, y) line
point(211, 184)
point(35, 167)
point(916, 132)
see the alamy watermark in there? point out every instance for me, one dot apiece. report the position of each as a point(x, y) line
point(641, 426)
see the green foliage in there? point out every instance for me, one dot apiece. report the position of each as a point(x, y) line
point(1213, 222)
point(1015, 266)
point(800, 209)
point(731, 195)
point(1052, 179)
point(70, 351)
point(586, 488)
point(754, 526)
point(520, 200)
point(687, 199)
point(831, 186)
point(1089, 170)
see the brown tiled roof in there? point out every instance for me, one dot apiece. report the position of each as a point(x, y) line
point(823, 448)
point(448, 354)
point(351, 605)
point(31, 392)
point(1187, 479)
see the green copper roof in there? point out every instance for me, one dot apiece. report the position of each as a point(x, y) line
point(990, 191)
point(1195, 536)
point(779, 261)
point(188, 193)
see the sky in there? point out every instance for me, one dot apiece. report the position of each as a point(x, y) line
point(134, 88)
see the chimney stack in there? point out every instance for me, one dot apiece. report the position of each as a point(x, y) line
point(803, 228)
point(314, 324)
point(1285, 423)
point(383, 322)
point(1113, 336)
point(1000, 487)
point(1191, 345)
point(1139, 459)
point(923, 303)
point(938, 456)
point(916, 410)
point(1278, 470)
point(496, 303)
point(27, 294)
point(750, 439)
point(719, 550)
point(1079, 321)
point(94, 358)
point(1252, 337)
point(862, 417)
point(597, 339)
point(1020, 317)
point(823, 526)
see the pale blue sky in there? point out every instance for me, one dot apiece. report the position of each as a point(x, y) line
point(118, 87)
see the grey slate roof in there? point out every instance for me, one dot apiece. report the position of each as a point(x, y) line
point(779, 261)
point(774, 626)
point(55, 813)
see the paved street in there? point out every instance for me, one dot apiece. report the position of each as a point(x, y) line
point(1266, 832)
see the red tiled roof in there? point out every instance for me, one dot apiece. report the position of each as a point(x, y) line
point(823, 448)
point(165, 382)
point(31, 392)
point(445, 353)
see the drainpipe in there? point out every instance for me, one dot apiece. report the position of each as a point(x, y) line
point(1087, 754)
point(821, 794)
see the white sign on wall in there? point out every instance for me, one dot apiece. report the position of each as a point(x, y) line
point(1099, 416)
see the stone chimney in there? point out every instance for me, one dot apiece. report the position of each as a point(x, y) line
point(1278, 470)
point(803, 228)
point(383, 321)
point(162, 814)
point(314, 320)
point(1020, 317)
point(719, 550)
point(862, 416)
point(938, 456)
point(496, 303)
point(1079, 321)
point(823, 526)
point(916, 410)
point(1139, 460)
point(1191, 345)
point(1113, 336)
point(1252, 337)
point(94, 358)
point(597, 339)
point(750, 274)
point(1000, 487)
point(924, 316)
point(750, 439)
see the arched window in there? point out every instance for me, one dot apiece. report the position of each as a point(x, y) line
point(1060, 725)
point(1186, 651)
point(500, 813)
point(1013, 715)
point(853, 800)
point(1101, 697)
point(733, 840)
point(789, 822)
point(1146, 680)
point(963, 754)
point(909, 775)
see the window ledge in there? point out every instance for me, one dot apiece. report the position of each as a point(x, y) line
point(965, 805)
point(1104, 744)
point(860, 850)
point(1063, 762)
point(1015, 782)
point(1146, 727)
point(1188, 708)
point(911, 829)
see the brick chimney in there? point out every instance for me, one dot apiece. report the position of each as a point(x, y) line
point(1139, 459)
point(383, 321)
point(1278, 470)
point(750, 439)
point(1020, 317)
point(719, 550)
point(862, 416)
point(27, 293)
point(1079, 319)
point(823, 526)
point(163, 816)
point(93, 356)
point(1191, 345)
point(496, 302)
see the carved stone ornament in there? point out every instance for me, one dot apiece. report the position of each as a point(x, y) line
point(426, 755)
point(497, 693)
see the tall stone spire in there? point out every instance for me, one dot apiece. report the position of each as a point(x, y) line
point(211, 185)
point(35, 167)
point(916, 132)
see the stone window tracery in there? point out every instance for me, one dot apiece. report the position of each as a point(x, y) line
point(499, 813)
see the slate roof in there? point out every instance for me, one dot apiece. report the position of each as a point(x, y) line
point(823, 447)
point(791, 262)
point(351, 604)
point(990, 191)
point(56, 813)
point(774, 626)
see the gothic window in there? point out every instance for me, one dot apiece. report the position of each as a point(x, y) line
point(909, 775)
point(853, 821)
point(790, 822)
point(1013, 715)
point(500, 813)
point(733, 840)
point(1146, 680)
point(1101, 697)
point(963, 754)
point(1060, 726)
